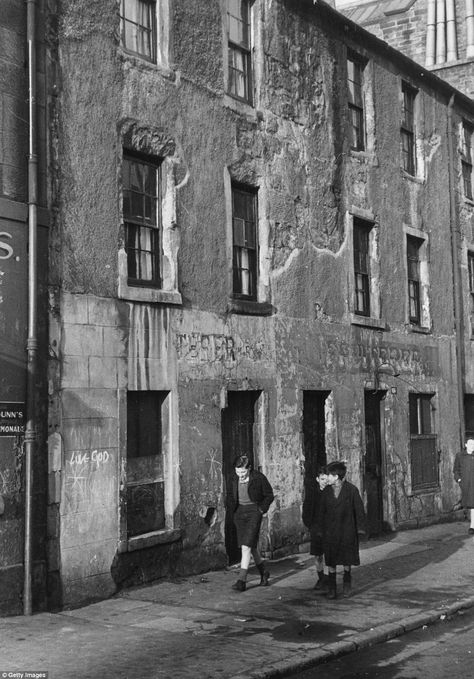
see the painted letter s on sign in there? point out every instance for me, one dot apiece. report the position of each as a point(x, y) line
point(5, 247)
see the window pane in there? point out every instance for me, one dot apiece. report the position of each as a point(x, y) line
point(238, 22)
point(238, 85)
point(470, 264)
point(138, 27)
point(245, 243)
point(425, 408)
point(140, 205)
point(145, 508)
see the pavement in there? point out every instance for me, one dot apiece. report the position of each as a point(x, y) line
point(199, 628)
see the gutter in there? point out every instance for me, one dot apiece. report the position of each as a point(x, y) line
point(457, 290)
point(32, 342)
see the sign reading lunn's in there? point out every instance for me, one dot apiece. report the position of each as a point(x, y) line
point(12, 418)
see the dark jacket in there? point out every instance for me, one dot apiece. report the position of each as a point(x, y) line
point(311, 505)
point(341, 520)
point(464, 470)
point(260, 491)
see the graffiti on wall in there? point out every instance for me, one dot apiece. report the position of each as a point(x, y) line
point(196, 348)
point(83, 483)
point(333, 354)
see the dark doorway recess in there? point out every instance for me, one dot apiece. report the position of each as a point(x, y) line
point(373, 478)
point(238, 422)
point(314, 431)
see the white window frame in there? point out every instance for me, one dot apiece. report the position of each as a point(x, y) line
point(423, 251)
point(160, 37)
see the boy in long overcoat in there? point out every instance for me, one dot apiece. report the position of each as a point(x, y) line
point(311, 510)
point(342, 520)
point(464, 474)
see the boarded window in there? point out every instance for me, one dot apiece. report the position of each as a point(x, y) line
point(423, 443)
point(145, 476)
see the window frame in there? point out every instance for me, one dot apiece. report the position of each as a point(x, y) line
point(238, 248)
point(150, 55)
point(243, 49)
point(413, 247)
point(466, 159)
point(362, 270)
point(134, 222)
point(470, 281)
point(142, 470)
point(422, 435)
point(407, 129)
point(355, 102)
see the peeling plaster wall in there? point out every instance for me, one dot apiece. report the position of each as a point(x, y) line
point(294, 147)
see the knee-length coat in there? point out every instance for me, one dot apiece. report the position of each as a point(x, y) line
point(341, 520)
point(464, 470)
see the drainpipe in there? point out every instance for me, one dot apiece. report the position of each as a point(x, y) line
point(452, 50)
point(32, 343)
point(440, 32)
point(431, 33)
point(469, 29)
point(452, 54)
point(457, 290)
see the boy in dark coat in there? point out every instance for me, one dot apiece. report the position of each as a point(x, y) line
point(342, 520)
point(311, 509)
point(252, 496)
point(464, 474)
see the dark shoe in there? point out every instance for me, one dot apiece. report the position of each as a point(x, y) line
point(264, 574)
point(471, 531)
point(346, 589)
point(332, 591)
point(321, 585)
point(239, 586)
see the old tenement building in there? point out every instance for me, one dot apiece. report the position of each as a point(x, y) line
point(260, 238)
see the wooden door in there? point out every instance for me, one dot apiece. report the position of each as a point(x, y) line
point(373, 463)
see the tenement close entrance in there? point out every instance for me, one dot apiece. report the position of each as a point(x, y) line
point(238, 420)
point(373, 462)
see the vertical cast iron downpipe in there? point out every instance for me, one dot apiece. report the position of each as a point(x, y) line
point(457, 291)
point(431, 34)
point(32, 343)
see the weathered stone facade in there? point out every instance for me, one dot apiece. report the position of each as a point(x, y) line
point(191, 340)
point(297, 369)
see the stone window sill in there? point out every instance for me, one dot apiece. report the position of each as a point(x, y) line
point(138, 294)
point(365, 157)
point(420, 329)
point(410, 177)
point(425, 491)
point(240, 106)
point(143, 63)
point(159, 537)
point(250, 308)
point(368, 322)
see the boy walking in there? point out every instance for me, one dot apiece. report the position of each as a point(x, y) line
point(464, 474)
point(311, 510)
point(342, 520)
